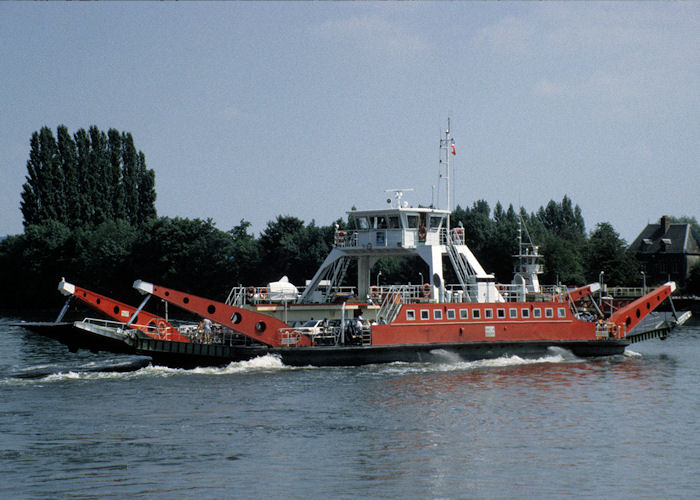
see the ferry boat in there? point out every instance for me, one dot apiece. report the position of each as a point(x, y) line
point(327, 323)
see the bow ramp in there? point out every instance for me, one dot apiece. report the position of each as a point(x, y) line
point(633, 313)
point(150, 324)
point(261, 327)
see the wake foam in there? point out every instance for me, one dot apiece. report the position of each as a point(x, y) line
point(53, 373)
point(449, 361)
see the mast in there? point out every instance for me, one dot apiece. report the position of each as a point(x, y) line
point(448, 146)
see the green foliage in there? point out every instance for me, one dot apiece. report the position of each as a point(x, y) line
point(86, 180)
point(607, 252)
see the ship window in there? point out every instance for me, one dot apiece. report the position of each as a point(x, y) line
point(524, 312)
point(362, 223)
point(464, 314)
point(413, 222)
point(410, 315)
point(437, 314)
point(476, 313)
point(500, 313)
point(451, 314)
point(435, 222)
point(513, 313)
point(561, 312)
point(394, 222)
point(488, 313)
point(537, 313)
point(425, 314)
point(548, 312)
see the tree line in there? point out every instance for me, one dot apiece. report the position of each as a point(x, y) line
point(90, 217)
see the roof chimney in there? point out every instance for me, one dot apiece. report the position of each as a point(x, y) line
point(665, 222)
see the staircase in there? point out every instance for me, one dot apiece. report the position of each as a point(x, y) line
point(459, 265)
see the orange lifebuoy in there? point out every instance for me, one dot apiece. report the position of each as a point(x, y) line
point(457, 234)
point(341, 236)
point(250, 292)
point(422, 232)
point(161, 328)
point(263, 293)
point(374, 291)
point(426, 289)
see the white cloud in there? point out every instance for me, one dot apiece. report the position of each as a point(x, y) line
point(628, 56)
point(375, 36)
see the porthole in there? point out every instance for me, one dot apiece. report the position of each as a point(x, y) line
point(211, 309)
point(236, 318)
point(186, 300)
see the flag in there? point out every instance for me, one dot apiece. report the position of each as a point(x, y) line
point(454, 152)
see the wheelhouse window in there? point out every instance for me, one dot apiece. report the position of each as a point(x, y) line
point(412, 221)
point(464, 314)
point(537, 312)
point(435, 221)
point(394, 222)
point(362, 223)
point(424, 314)
point(410, 315)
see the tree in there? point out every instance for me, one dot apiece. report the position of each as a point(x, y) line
point(71, 180)
point(99, 165)
point(129, 178)
point(283, 250)
point(245, 253)
point(606, 251)
point(88, 180)
point(146, 189)
point(114, 188)
point(42, 197)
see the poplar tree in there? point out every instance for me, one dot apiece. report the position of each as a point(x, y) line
point(85, 201)
point(31, 193)
point(129, 178)
point(71, 215)
point(114, 190)
point(98, 165)
point(146, 191)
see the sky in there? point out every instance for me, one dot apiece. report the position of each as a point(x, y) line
point(248, 111)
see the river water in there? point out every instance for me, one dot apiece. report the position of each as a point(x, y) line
point(621, 427)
